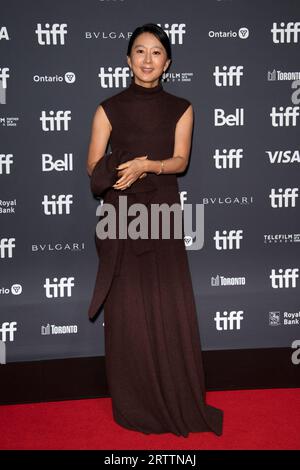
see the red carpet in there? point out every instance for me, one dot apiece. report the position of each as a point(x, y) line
point(253, 419)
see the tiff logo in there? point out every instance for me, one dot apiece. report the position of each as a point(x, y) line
point(6, 247)
point(228, 240)
point(230, 76)
point(285, 117)
point(51, 35)
point(227, 159)
point(59, 288)
point(229, 320)
point(59, 204)
point(285, 278)
point(283, 199)
point(4, 75)
point(114, 78)
point(6, 162)
point(175, 32)
point(54, 122)
point(285, 33)
point(7, 331)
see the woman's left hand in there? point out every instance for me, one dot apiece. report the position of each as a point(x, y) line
point(130, 172)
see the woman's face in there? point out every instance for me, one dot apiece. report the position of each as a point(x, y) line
point(148, 58)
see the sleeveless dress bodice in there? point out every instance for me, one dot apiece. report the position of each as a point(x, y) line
point(143, 122)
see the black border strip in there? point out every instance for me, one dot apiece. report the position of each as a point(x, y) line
point(80, 378)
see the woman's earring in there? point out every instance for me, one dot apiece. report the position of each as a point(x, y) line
point(131, 73)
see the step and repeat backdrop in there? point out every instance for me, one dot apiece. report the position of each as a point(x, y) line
point(238, 63)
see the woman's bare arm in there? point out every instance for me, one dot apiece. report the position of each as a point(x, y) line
point(182, 147)
point(100, 133)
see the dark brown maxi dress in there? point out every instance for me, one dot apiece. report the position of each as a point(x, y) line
point(152, 342)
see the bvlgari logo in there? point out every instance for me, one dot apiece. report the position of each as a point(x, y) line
point(62, 247)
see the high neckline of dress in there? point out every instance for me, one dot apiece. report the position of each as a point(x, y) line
point(143, 91)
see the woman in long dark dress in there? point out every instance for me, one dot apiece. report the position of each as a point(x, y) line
point(152, 343)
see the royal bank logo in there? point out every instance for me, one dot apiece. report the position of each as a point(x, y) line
point(288, 318)
point(274, 318)
point(8, 206)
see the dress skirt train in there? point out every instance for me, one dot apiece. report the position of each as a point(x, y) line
point(152, 346)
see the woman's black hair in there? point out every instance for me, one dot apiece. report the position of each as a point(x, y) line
point(157, 31)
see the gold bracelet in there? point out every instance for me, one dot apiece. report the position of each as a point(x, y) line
point(161, 167)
